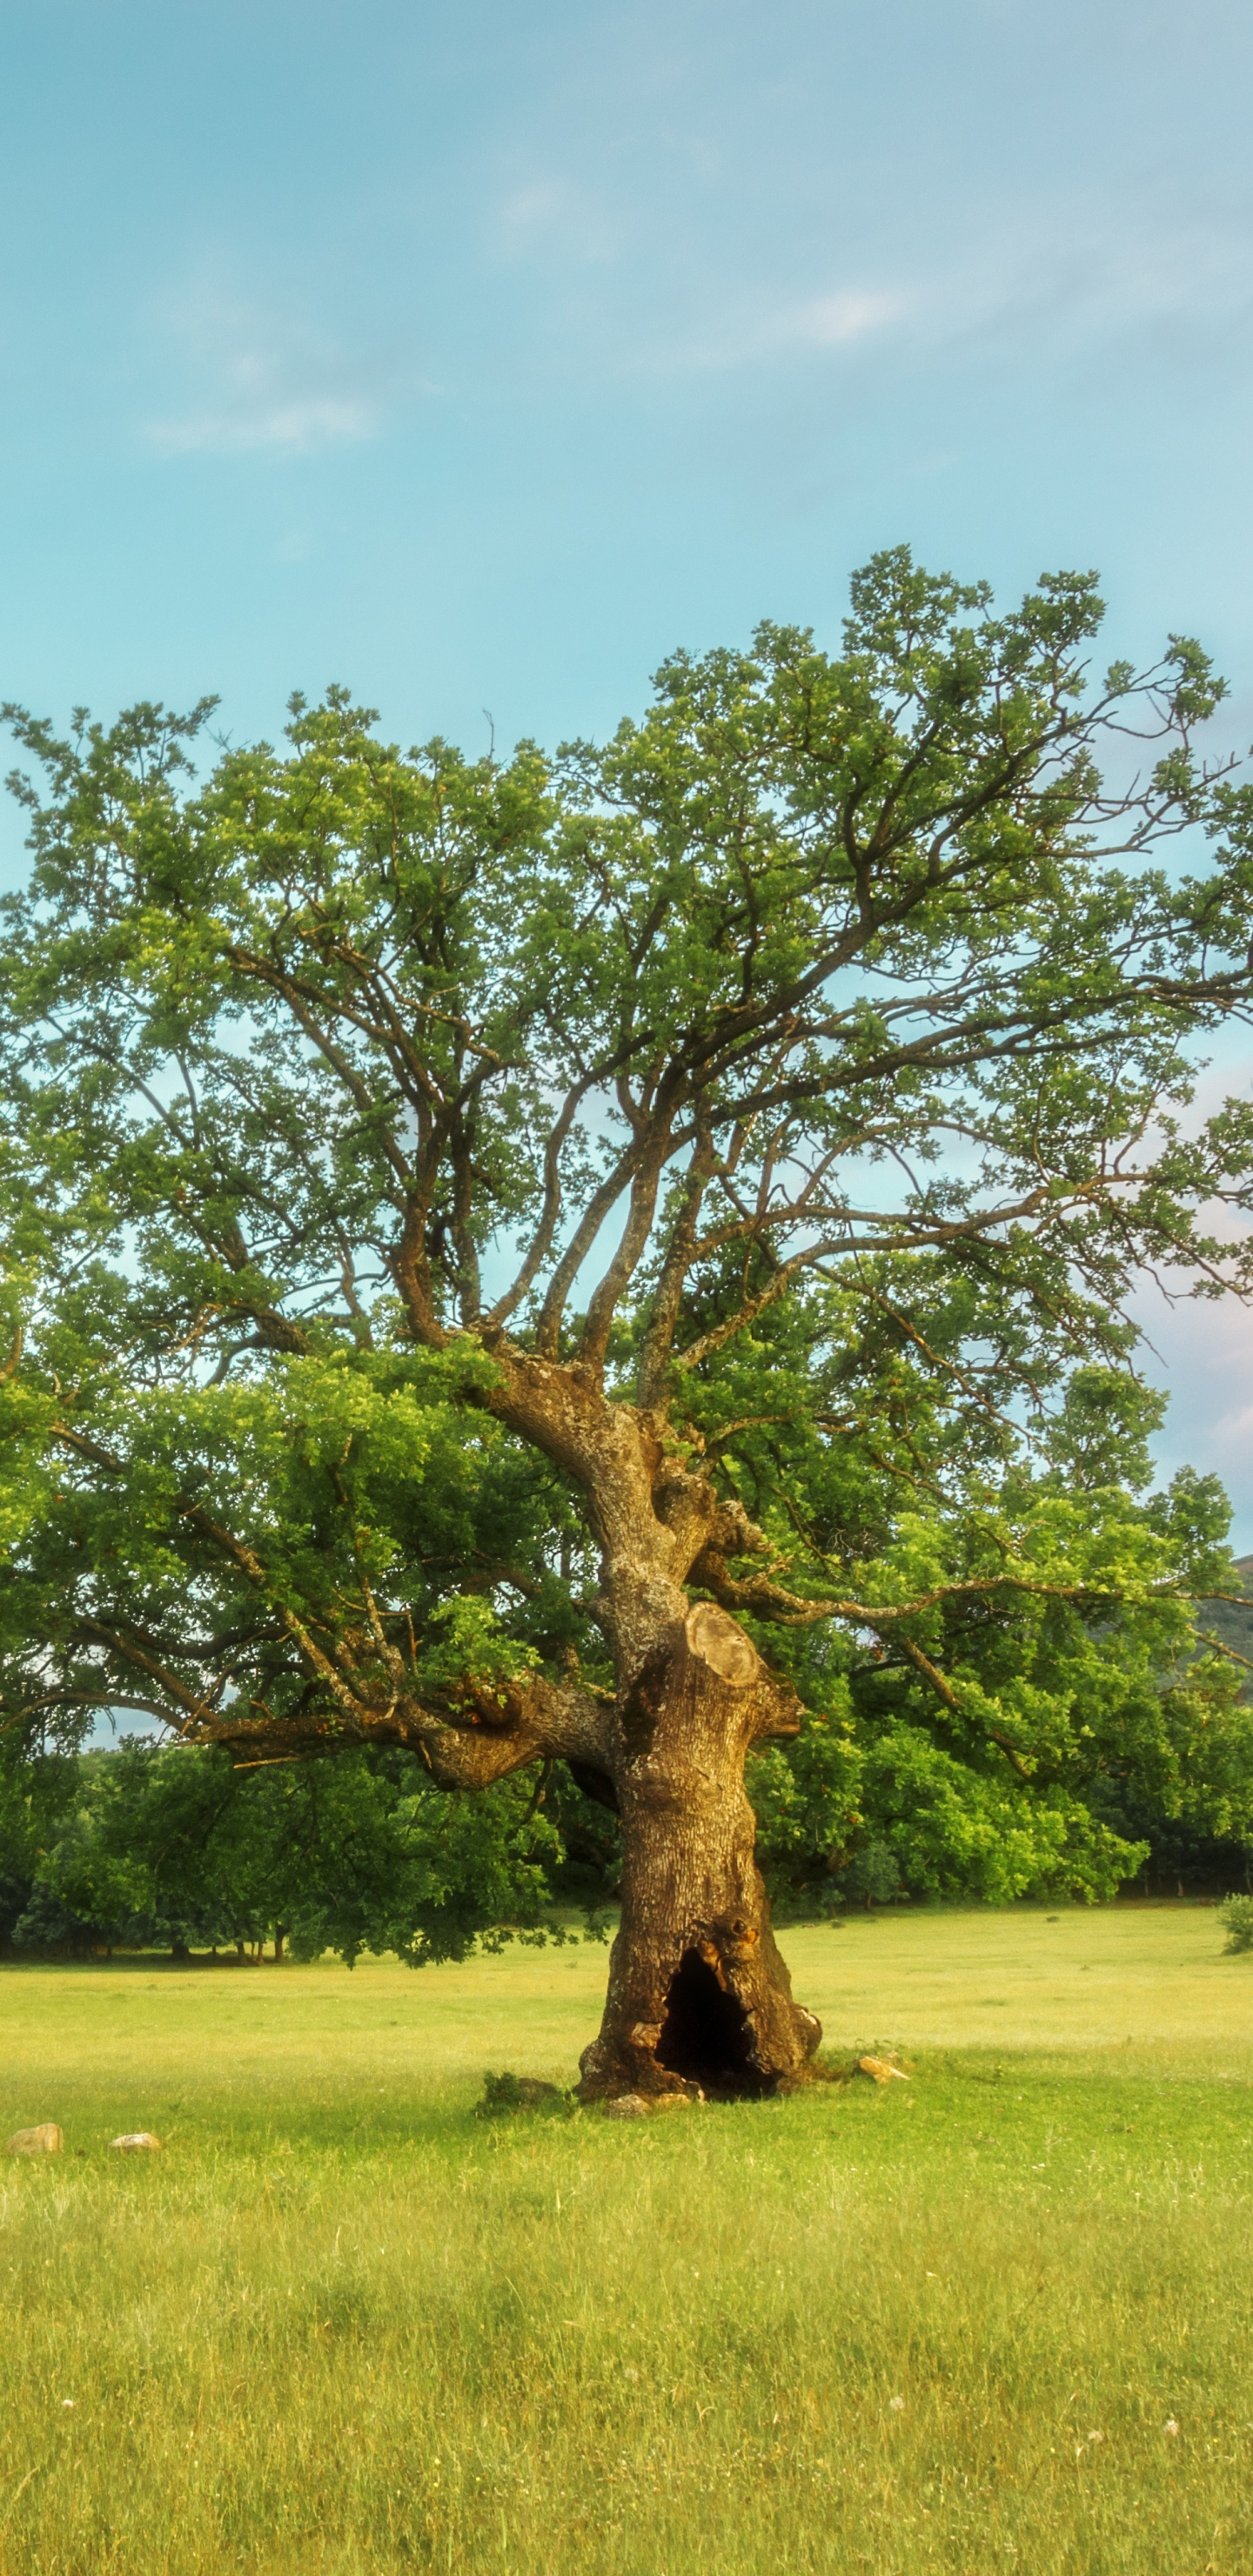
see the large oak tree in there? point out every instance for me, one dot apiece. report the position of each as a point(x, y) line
point(515, 1255)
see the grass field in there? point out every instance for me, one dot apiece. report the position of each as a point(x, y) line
point(340, 2325)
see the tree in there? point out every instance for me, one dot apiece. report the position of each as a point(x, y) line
point(529, 1261)
point(37, 1792)
point(92, 1888)
point(176, 1847)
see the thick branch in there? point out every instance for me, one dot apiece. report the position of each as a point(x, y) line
point(480, 1735)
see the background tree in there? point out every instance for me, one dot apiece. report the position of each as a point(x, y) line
point(505, 1243)
point(38, 1789)
point(179, 1848)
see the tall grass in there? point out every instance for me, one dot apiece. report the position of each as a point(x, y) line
point(340, 2325)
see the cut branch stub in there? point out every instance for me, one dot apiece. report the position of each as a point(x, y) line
point(721, 1643)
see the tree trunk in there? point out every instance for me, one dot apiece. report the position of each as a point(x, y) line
point(699, 1997)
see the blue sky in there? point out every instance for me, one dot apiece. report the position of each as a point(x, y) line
point(478, 355)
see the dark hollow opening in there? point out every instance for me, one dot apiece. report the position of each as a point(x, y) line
point(705, 2035)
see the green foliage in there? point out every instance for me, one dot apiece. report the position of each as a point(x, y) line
point(844, 999)
point(177, 1848)
point(871, 1877)
point(38, 1791)
point(1080, 1711)
point(1236, 1915)
point(505, 2094)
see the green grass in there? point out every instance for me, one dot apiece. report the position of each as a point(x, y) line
point(341, 2326)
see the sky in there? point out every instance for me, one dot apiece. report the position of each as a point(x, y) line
point(476, 356)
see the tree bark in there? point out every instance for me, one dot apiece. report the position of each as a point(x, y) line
point(699, 1997)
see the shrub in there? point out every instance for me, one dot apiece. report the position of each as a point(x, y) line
point(871, 1877)
point(1237, 1913)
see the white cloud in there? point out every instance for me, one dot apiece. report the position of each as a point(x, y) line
point(1062, 280)
point(292, 425)
point(259, 381)
point(1083, 278)
point(834, 321)
point(841, 319)
point(554, 218)
point(536, 209)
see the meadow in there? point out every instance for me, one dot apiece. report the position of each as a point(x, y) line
point(993, 2318)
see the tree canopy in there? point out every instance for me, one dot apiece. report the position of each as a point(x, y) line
point(457, 1209)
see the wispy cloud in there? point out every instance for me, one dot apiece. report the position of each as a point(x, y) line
point(555, 218)
point(1069, 285)
point(259, 381)
point(1061, 281)
point(785, 325)
point(835, 321)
